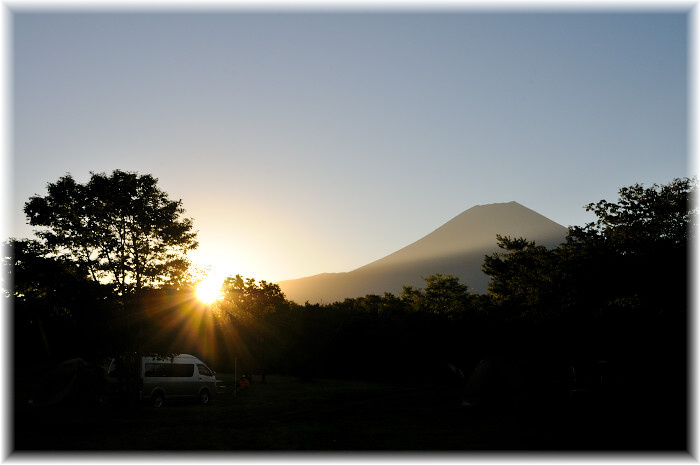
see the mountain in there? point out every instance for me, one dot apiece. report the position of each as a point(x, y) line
point(456, 248)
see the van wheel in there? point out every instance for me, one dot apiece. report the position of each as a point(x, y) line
point(204, 397)
point(158, 400)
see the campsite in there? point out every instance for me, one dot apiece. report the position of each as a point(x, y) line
point(287, 413)
point(440, 228)
point(582, 347)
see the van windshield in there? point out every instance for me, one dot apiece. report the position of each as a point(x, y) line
point(204, 370)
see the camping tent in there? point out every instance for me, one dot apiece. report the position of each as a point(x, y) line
point(72, 382)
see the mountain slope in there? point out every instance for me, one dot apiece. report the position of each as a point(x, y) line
point(456, 248)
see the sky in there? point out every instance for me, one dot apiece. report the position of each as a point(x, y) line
point(310, 141)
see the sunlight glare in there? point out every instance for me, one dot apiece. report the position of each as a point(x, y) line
point(209, 289)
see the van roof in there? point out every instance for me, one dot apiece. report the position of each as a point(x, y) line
point(178, 357)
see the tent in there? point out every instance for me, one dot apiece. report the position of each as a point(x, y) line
point(499, 383)
point(72, 382)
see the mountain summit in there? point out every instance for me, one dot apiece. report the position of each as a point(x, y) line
point(456, 248)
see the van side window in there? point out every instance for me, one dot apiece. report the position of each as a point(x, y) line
point(185, 370)
point(155, 370)
point(163, 370)
point(204, 370)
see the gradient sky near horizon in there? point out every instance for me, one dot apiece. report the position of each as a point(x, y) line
point(310, 142)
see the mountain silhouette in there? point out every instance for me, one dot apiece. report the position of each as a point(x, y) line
point(456, 248)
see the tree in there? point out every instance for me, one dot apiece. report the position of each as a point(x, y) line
point(245, 299)
point(443, 295)
point(639, 244)
point(122, 229)
point(30, 275)
point(644, 219)
point(255, 312)
point(525, 276)
point(53, 301)
point(632, 257)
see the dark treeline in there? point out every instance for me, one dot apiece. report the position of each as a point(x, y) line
point(616, 290)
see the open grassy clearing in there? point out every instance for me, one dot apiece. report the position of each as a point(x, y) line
point(289, 414)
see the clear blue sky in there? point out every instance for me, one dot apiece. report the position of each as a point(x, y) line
point(307, 143)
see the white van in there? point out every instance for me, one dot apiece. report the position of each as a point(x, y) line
point(178, 377)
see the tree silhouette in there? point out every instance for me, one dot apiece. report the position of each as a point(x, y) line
point(245, 299)
point(257, 312)
point(121, 229)
point(639, 244)
point(643, 219)
point(632, 257)
point(53, 301)
point(523, 278)
point(443, 295)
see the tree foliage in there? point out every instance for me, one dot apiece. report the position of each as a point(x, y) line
point(247, 299)
point(443, 295)
point(49, 286)
point(632, 257)
point(55, 305)
point(524, 276)
point(643, 220)
point(122, 229)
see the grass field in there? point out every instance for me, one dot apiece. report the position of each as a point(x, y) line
point(290, 414)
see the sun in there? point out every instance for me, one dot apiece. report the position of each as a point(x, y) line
point(209, 289)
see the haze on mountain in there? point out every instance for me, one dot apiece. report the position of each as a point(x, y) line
point(456, 248)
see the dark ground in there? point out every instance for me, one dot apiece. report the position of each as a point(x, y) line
point(289, 414)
